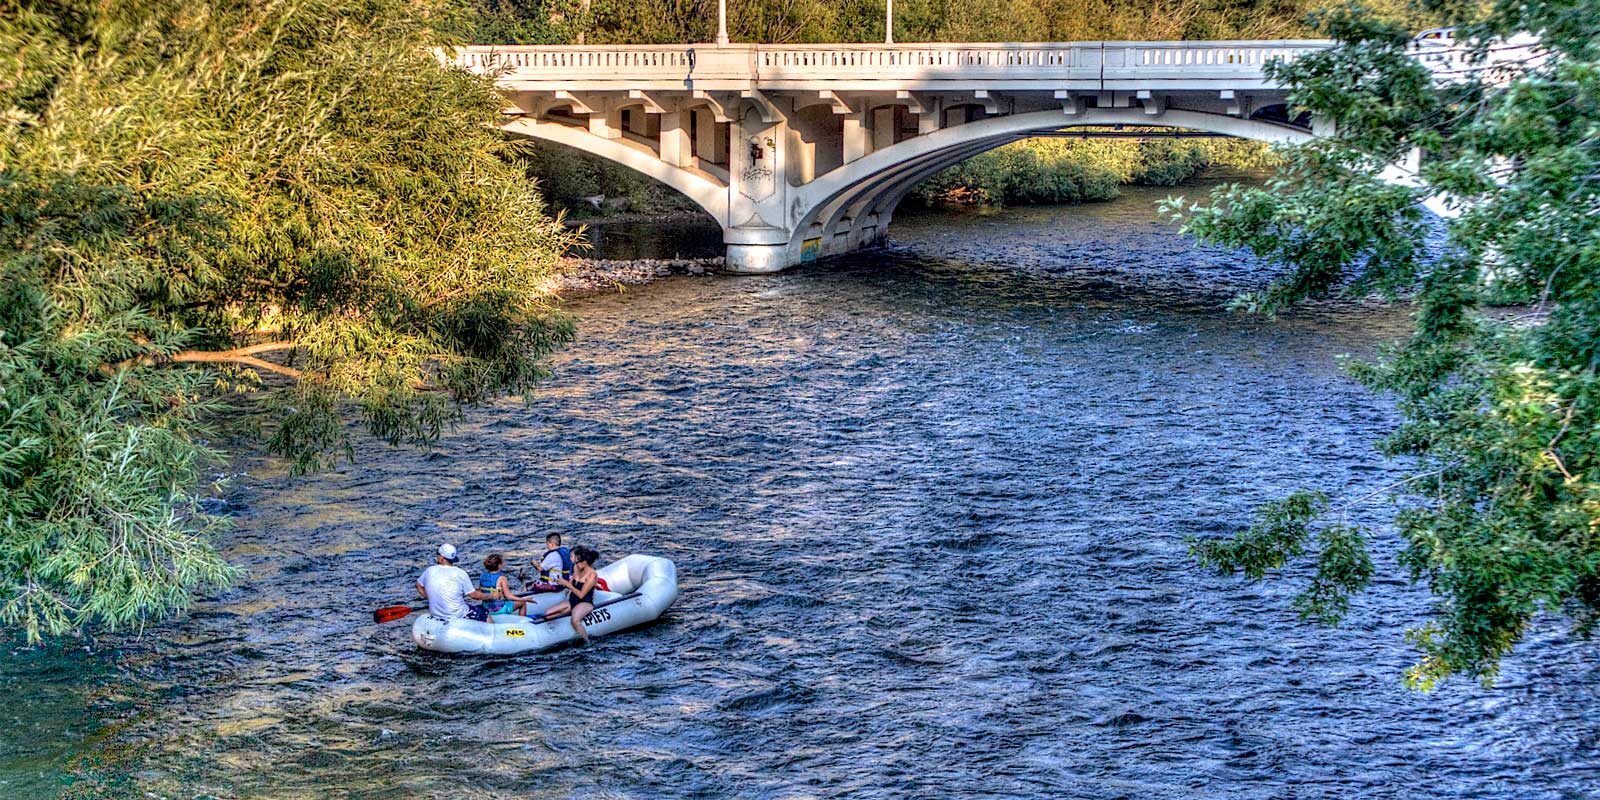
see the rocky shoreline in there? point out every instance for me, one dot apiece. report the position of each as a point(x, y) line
point(583, 276)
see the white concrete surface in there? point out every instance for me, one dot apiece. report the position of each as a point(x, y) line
point(803, 151)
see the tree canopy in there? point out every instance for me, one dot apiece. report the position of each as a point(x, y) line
point(1500, 514)
point(279, 211)
point(662, 21)
point(1049, 170)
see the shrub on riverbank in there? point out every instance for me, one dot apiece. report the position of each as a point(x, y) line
point(283, 214)
point(1019, 173)
point(1081, 170)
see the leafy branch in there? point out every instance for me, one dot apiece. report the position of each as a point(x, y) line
point(1500, 515)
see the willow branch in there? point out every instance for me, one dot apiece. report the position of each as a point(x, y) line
point(234, 357)
point(252, 350)
point(242, 355)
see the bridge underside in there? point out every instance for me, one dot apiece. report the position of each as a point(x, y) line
point(796, 162)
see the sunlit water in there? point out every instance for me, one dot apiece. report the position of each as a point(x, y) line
point(928, 508)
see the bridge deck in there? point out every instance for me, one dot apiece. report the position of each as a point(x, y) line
point(1104, 65)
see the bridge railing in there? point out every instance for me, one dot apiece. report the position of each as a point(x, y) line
point(1242, 55)
point(577, 62)
point(870, 62)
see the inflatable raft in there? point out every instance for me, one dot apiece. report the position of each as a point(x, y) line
point(641, 588)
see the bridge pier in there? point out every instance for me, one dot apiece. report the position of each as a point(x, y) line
point(756, 259)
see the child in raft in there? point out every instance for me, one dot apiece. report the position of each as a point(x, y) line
point(494, 581)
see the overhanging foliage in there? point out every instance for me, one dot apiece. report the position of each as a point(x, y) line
point(281, 208)
point(1501, 516)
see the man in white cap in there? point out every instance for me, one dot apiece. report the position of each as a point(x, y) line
point(447, 587)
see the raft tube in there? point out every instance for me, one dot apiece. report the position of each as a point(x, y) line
point(641, 589)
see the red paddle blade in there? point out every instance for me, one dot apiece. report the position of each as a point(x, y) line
point(391, 613)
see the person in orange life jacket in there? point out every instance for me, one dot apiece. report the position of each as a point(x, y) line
point(554, 565)
point(447, 588)
point(580, 590)
point(494, 581)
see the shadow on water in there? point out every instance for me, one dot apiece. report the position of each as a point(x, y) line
point(55, 707)
point(689, 236)
point(928, 507)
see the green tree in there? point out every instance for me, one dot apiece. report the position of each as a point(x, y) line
point(513, 21)
point(660, 21)
point(1061, 170)
point(285, 212)
point(1501, 512)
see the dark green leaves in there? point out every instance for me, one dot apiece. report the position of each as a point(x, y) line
point(1501, 515)
point(1279, 533)
point(1343, 569)
point(287, 216)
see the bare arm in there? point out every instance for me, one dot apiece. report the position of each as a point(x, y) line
point(474, 593)
point(505, 590)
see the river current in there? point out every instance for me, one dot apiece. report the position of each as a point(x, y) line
point(929, 509)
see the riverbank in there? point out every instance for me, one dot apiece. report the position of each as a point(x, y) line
point(1071, 171)
point(586, 276)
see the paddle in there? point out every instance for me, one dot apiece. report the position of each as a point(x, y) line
point(392, 613)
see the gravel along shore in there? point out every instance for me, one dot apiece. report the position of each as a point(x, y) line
point(580, 276)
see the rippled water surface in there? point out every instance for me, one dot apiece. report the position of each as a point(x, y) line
point(928, 508)
point(46, 722)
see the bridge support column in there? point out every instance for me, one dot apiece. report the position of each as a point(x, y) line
point(758, 229)
point(857, 137)
point(882, 128)
point(756, 259)
point(675, 138)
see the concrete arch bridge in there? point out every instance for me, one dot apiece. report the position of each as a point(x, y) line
point(802, 151)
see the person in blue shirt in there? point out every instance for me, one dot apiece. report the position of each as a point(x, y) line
point(554, 566)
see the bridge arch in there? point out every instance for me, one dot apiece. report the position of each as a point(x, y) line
point(702, 189)
point(851, 206)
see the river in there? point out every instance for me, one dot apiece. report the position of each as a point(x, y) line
point(928, 507)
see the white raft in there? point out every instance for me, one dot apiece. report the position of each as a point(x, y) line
point(641, 589)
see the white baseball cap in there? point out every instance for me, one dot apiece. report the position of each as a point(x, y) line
point(447, 552)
